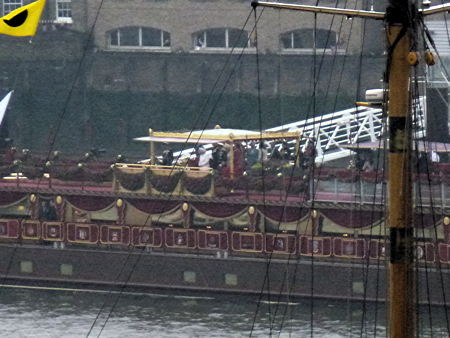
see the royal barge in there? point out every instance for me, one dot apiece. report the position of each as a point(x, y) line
point(276, 230)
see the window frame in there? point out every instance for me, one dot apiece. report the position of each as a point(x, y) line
point(226, 30)
point(140, 45)
point(307, 50)
point(63, 19)
point(8, 3)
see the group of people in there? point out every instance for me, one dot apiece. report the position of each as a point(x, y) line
point(427, 162)
point(363, 161)
point(244, 158)
point(216, 158)
point(280, 155)
point(252, 155)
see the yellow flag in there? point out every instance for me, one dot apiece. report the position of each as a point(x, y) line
point(22, 21)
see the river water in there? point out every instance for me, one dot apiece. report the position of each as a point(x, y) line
point(56, 313)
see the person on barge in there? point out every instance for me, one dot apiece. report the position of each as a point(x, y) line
point(204, 158)
point(167, 156)
point(218, 157)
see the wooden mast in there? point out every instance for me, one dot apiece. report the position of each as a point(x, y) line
point(399, 16)
point(402, 301)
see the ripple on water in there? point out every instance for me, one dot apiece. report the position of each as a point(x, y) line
point(44, 314)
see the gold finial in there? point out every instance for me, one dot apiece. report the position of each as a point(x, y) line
point(119, 203)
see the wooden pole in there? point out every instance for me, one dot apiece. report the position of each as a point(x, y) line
point(231, 154)
point(402, 311)
point(297, 157)
point(151, 147)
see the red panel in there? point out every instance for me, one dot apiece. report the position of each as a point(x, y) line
point(235, 241)
point(349, 247)
point(103, 234)
point(192, 240)
point(95, 234)
point(337, 246)
point(303, 245)
point(113, 234)
point(424, 252)
point(247, 242)
point(9, 228)
point(53, 231)
point(279, 243)
point(151, 237)
point(135, 240)
point(31, 229)
point(180, 238)
point(360, 248)
point(169, 237)
point(201, 239)
point(13, 228)
point(327, 247)
point(71, 232)
point(444, 252)
point(430, 252)
point(158, 235)
point(3, 228)
point(82, 233)
point(376, 249)
point(317, 246)
point(126, 238)
point(212, 240)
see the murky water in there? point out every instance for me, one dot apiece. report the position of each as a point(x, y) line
point(49, 313)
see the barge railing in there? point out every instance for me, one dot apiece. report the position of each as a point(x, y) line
point(280, 183)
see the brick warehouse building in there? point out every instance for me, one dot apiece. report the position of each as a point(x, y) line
point(153, 63)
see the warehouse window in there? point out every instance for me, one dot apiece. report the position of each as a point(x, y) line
point(231, 279)
point(189, 276)
point(221, 38)
point(10, 5)
point(26, 266)
point(139, 37)
point(64, 10)
point(66, 269)
point(304, 39)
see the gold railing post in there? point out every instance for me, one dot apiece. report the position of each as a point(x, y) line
point(231, 153)
point(151, 147)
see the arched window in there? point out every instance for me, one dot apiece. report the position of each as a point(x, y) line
point(221, 38)
point(304, 39)
point(139, 37)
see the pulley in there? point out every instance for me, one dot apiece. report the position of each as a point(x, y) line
point(413, 58)
point(429, 58)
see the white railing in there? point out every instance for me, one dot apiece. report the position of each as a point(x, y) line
point(333, 131)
